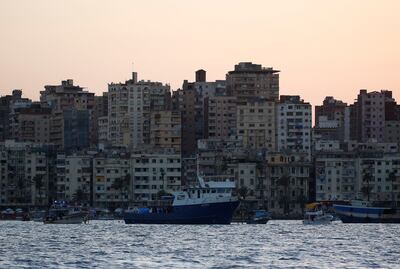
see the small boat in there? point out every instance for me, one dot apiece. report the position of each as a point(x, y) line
point(208, 203)
point(317, 217)
point(259, 217)
point(61, 213)
point(316, 214)
point(103, 214)
point(8, 214)
point(38, 216)
point(364, 212)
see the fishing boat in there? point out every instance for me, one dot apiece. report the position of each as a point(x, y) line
point(61, 213)
point(315, 214)
point(8, 214)
point(207, 203)
point(365, 212)
point(258, 217)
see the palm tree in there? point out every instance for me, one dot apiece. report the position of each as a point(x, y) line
point(122, 184)
point(80, 196)
point(21, 190)
point(284, 182)
point(392, 178)
point(38, 181)
point(366, 189)
point(243, 191)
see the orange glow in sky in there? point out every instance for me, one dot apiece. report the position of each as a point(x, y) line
point(321, 47)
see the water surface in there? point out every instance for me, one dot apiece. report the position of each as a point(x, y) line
point(278, 244)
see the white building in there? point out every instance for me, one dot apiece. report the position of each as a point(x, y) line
point(74, 174)
point(129, 108)
point(152, 173)
point(348, 175)
point(294, 119)
point(112, 182)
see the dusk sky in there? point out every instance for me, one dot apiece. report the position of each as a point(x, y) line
point(321, 47)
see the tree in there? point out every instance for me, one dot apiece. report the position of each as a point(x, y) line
point(392, 178)
point(243, 191)
point(21, 190)
point(38, 181)
point(366, 189)
point(122, 184)
point(80, 196)
point(284, 182)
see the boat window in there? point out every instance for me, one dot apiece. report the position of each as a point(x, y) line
point(204, 191)
point(213, 191)
point(198, 193)
point(208, 191)
point(220, 190)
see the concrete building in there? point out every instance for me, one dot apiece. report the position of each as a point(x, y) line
point(100, 111)
point(349, 175)
point(191, 100)
point(287, 183)
point(368, 116)
point(293, 122)
point(102, 130)
point(220, 116)
point(165, 130)
point(255, 123)
point(112, 181)
point(25, 176)
point(330, 119)
point(129, 110)
point(31, 124)
point(152, 173)
point(7, 103)
point(74, 178)
point(74, 101)
point(250, 80)
point(76, 125)
point(392, 132)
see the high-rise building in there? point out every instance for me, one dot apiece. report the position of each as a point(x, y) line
point(330, 119)
point(220, 116)
point(293, 124)
point(75, 100)
point(255, 123)
point(368, 115)
point(129, 110)
point(7, 104)
point(250, 80)
point(165, 130)
point(31, 124)
point(191, 101)
point(99, 112)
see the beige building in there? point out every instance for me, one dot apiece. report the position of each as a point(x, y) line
point(288, 177)
point(129, 110)
point(67, 97)
point(152, 173)
point(248, 80)
point(31, 124)
point(108, 171)
point(220, 116)
point(165, 130)
point(256, 123)
point(24, 175)
point(74, 174)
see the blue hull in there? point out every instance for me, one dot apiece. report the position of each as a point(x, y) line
point(359, 214)
point(213, 213)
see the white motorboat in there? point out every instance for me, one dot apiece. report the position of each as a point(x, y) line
point(317, 217)
point(60, 213)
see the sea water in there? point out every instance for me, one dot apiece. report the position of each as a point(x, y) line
point(278, 244)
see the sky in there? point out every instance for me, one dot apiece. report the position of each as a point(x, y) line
point(322, 48)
